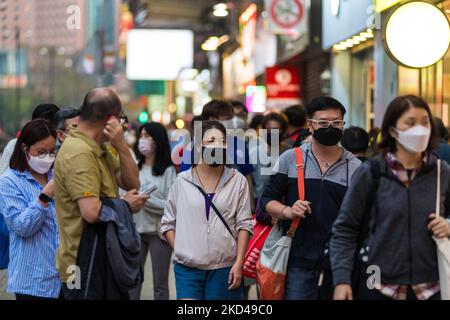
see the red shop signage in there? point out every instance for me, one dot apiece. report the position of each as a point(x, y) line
point(283, 83)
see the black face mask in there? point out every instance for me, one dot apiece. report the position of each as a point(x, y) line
point(328, 136)
point(214, 156)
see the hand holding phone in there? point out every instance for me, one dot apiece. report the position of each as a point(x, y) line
point(150, 190)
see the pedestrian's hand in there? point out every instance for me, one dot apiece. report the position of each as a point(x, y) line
point(114, 133)
point(136, 200)
point(439, 226)
point(299, 210)
point(235, 277)
point(49, 189)
point(343, 292)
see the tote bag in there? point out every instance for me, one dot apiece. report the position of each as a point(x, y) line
point(443, 246)
point(273, 261)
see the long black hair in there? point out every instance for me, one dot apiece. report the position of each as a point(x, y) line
point(162, 148)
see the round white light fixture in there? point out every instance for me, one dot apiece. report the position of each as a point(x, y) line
point(417, 34)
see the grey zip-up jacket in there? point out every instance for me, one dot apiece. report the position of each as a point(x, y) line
point(324, 190)
point(201, 243)
point(399, 242)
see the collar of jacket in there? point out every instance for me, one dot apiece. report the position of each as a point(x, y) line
point(429, 166)
point(346, 155)
point(227, 175)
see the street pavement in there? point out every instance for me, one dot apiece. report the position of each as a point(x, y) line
point(147, 287)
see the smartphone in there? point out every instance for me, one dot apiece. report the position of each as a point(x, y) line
point(150, 190)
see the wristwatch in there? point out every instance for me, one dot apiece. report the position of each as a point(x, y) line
point(45, 198)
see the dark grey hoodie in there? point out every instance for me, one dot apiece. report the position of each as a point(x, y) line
point(399, 242)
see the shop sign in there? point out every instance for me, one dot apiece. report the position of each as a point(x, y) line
point(282, 82)
point(287, 16)
point(283, 87)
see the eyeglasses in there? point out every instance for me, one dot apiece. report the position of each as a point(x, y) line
point(42, 154)
point(123, 119)
point(324, 124)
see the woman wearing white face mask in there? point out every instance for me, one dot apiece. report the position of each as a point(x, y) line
point(26, 192)
point(388, 214)
point(155, 168)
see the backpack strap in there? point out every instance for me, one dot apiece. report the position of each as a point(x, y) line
point(301, 188)
point(375, 168)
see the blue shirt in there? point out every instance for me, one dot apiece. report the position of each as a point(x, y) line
point(33, 236)
point(239, 153)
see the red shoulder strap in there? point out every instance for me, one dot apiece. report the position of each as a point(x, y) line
point(301, 188)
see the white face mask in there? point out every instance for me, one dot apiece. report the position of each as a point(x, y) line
point(130, 138)
point(238, 123)
point(41, 165)
point(146, 146)
point(414, 139)
point(228, 124)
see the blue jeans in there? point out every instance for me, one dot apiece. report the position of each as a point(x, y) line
point(198, 284)
point(301, 284)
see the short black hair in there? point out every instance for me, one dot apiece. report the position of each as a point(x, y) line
point(256, 121)
point(99, 104)
point(45, 111)
point(324, 103)
point(216, 108)
point(296, 115)
point(237, 104)
point(355, 140)
point(163, 158)
point(64, 114)
point(33, 132)
point(394, 111)
point(442, 130)
point(273, 116)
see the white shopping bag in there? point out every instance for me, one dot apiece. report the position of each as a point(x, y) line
point(443, 247)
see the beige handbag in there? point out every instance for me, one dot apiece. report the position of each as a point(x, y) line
point(443, 247)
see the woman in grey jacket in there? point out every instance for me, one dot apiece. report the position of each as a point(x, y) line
point(155, 169)
point(393, 197)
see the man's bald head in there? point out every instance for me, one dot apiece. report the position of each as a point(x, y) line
point(99, 104)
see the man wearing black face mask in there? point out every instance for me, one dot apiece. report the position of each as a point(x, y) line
point(328, 169)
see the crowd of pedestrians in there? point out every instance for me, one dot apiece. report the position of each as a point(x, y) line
point(85, 198)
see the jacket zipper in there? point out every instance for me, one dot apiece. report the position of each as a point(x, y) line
point(322, 175)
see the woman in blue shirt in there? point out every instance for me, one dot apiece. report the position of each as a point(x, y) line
point(25, 200)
